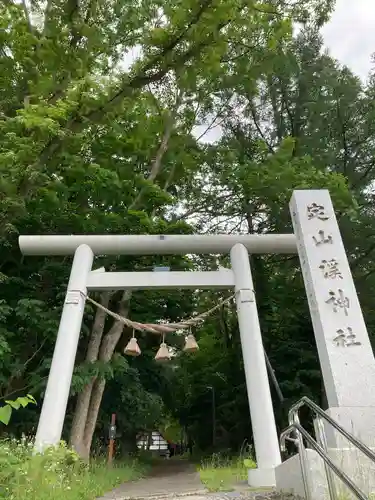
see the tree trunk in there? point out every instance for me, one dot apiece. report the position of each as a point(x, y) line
point(83, 399)
point(79, 420)
point(107, 349)
point(92, 415)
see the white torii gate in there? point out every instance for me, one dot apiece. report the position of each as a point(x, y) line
point(310, 209)
point(83, 280)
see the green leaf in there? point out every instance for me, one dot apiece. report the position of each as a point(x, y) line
point(31, 399)
point(23, 401)
point(5, 414)
point(14, 404)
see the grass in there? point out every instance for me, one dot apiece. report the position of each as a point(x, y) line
point(58, 474)
point(221, 474)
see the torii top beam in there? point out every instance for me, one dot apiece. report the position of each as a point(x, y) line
point(157, 244)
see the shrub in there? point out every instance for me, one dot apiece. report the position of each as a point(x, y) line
point(221, 473)
point(57, 474)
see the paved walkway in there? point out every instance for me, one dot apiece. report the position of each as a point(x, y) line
point(171, 477)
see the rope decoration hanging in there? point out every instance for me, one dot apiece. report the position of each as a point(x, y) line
point(191, 344)
point(163, 354)
point(132, 348)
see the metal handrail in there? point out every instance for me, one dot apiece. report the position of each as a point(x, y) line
point(296, 428)
point(314, 407)
point(341, 474)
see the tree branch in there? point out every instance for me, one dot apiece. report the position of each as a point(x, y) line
point(213, 123)
point(257, 126)
point(156, 164)
point(136, 82)
point(27, 16)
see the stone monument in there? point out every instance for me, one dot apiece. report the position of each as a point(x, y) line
point(345, 353)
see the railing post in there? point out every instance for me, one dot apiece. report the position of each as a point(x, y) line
point(294, 419)
point(322, 441)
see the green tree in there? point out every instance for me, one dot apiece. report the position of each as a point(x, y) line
point(304, 122)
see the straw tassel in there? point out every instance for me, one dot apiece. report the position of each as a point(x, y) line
point(163, 353)
point(132, 348)
point(191, 344)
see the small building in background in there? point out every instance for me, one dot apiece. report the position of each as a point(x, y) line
point(154, 442)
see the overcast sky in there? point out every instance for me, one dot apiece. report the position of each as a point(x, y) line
point(350, 35)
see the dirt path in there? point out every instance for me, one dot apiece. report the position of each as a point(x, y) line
point(171, 477)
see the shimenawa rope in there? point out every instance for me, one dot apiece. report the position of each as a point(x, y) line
point(159, 328)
